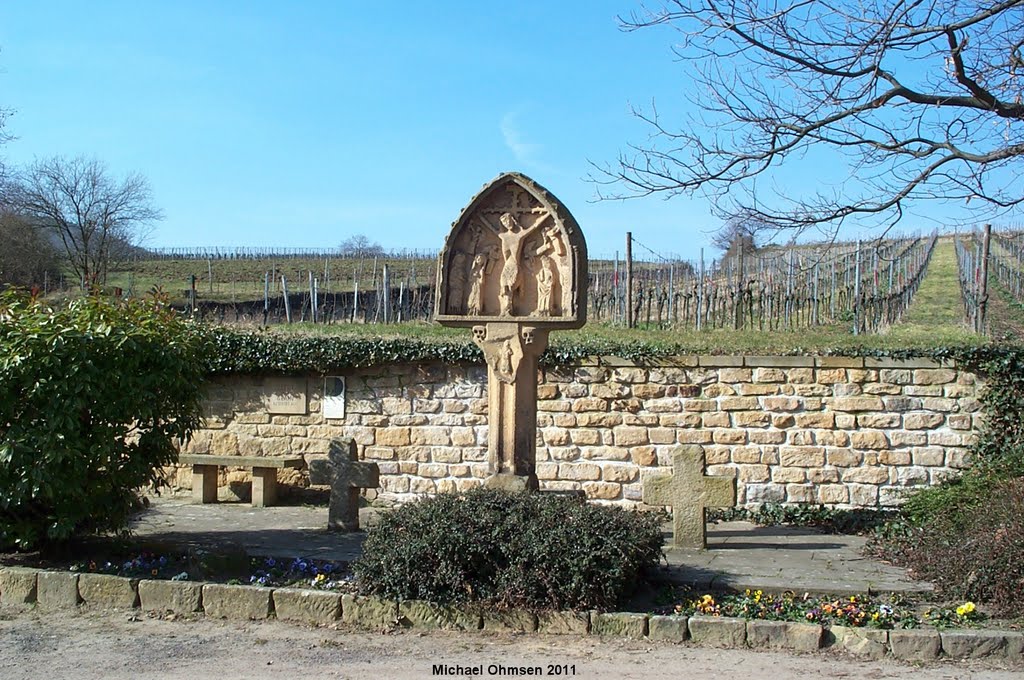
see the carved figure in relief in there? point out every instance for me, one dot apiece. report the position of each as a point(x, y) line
point(505, 360)
point(552, 243)
point(481, 266)
point(545, 282)
point(457, 283)
point(512, 236)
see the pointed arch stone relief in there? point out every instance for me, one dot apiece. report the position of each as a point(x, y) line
point(515, 254)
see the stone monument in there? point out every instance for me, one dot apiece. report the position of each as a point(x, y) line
point(689, 493)
point(346, 475)
point(514, 267)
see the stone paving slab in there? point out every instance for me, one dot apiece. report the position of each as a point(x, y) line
point(277, 531)
point(743, 555)
point(740, 554)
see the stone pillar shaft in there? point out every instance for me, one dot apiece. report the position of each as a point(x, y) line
point(511, 351)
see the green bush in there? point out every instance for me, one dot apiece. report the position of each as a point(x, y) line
point(827, 519)
point(93, 397)
point(973, 552)
point(967, 534)
point(532, 550)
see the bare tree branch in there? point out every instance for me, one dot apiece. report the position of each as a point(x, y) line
point(915, 99)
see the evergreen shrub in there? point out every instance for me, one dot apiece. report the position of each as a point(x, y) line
point(94, 396)
point(533, 550)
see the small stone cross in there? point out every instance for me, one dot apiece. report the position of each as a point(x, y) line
point(346, 475)
point(689, 493)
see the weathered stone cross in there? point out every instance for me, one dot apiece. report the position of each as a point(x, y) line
point(346, 475)
point(689, 493)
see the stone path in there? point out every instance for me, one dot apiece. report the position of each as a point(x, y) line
point(739, 555)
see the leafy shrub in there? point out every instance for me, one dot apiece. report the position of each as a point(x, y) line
point(93, 396)
point(519, 550)
point(971, 552)
point(827, 519)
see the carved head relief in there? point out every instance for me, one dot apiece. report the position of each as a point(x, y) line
point(527, 255)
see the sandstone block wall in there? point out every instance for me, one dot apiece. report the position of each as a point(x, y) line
point(846, 432)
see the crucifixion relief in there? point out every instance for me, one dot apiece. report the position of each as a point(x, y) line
point(514, 267)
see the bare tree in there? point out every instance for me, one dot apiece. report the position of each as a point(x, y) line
point(360, 246)
point(920, 99)
point(4, 137)
point(27, 257)
point(740, 233)
point(95, 216)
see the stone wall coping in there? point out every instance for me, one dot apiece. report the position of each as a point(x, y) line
point(919, 362)
point(702, 361)
point(327, 607)
point(766, 361)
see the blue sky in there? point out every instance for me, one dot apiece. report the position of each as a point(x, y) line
point(304, 123)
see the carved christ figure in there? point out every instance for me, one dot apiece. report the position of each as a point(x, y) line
point(511, 236)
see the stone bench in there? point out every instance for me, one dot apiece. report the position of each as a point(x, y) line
point(264, 475)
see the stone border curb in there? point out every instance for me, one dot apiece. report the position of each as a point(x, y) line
point(21, 586)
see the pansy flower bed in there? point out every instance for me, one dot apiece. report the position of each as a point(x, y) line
point(300, 572)
point(854, 611)
point(141, 565)
point(261, 571)
point(954, 617)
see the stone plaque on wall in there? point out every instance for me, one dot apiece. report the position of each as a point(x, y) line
point(334, 397)
point(285, 396)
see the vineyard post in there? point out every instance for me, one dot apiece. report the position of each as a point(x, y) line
point(874, 272)
point(287, 304)
point(209, 270)
point(671, 293)
point(814, 309)
point(629, 280)
point(312, 300)
point(399, 316)
point(738, 311)
point(355, 299)
point(789, 292)
point(976, 279)
point(192, 294)
point(616, 298)
point(700, 292)
point(316, 301)
point(856, 292)
point(386, 285)
point(266, 297)
point(983, 287)
point(373, 282)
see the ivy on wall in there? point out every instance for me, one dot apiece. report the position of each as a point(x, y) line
point(233, 352)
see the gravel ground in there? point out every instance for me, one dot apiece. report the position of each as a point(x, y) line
point(114, 645)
